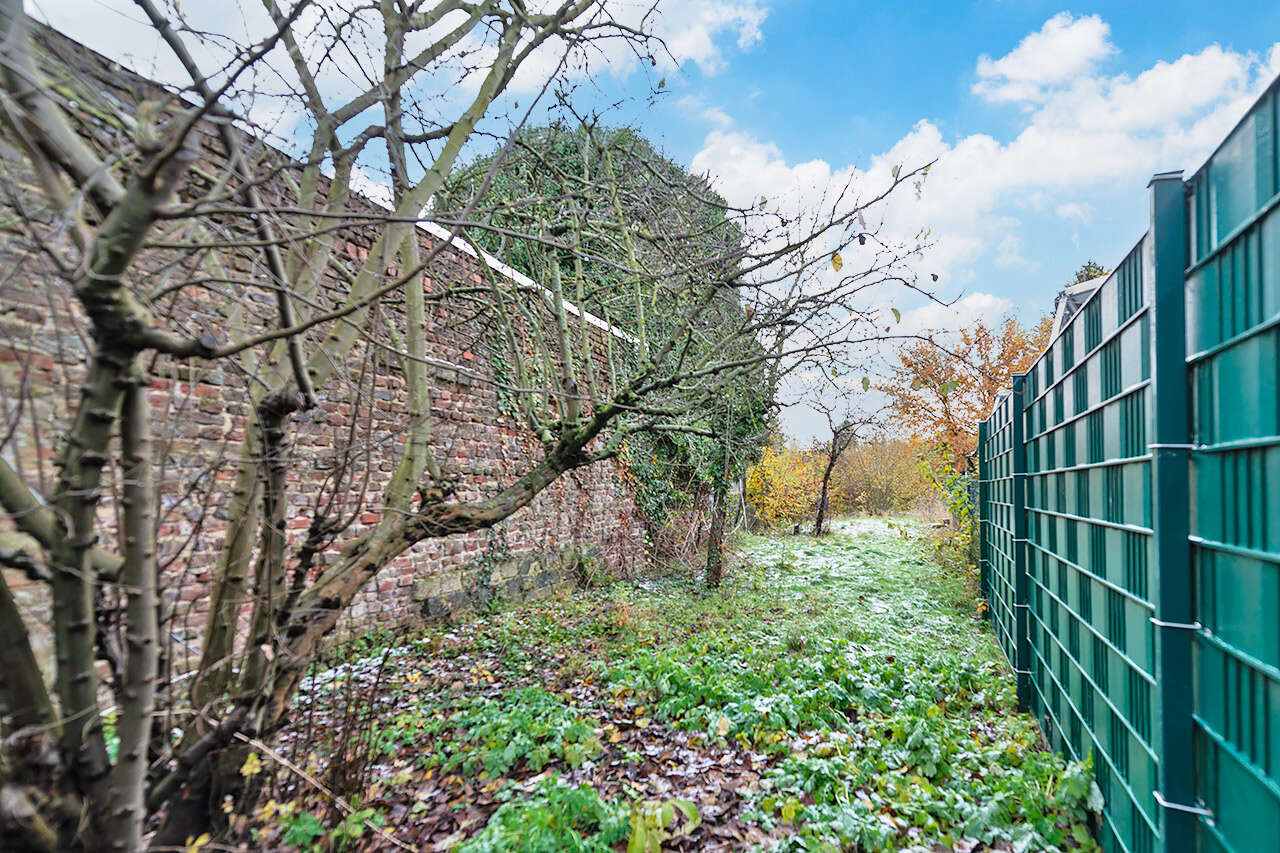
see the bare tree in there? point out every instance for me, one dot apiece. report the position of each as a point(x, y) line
point(604, 178)
point(844, 428)
point(176, 243)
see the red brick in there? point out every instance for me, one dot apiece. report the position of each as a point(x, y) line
point(201, 411)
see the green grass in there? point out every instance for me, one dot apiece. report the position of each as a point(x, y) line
point(905, 708)
point(859, 676)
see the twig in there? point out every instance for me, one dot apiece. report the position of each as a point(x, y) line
point(319, 786)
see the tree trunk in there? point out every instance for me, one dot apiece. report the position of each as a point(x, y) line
point(127, 810)
point(715, 538)
point(822, 500)
point(190, 813)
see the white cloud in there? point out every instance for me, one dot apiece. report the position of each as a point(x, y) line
point(687, 32)
point(1062, 49)
point(747, 169)
point(933, 317)
point(1009, 255)
point(939, 321)
point(692, 31)
point(1082, 132)
point(693, 105)
point(1082, 211)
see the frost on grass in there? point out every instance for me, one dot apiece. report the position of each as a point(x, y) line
point(837, 693)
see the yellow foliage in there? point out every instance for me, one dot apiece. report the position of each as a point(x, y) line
point(783, 486)
point(873, 477)
point(196, 844)
point(252, 766)
point(879, 476)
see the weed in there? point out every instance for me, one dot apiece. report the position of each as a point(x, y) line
point(551, 817)
point(303, 830)
point(525, 727)
point(881, 712)
point(110, 734)
point(651, 823)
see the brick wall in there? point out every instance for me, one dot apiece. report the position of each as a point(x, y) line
point(343, 451)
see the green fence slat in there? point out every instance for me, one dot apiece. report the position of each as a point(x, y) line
point(997, 466)
point(1169, 421)
point(1018, 483)
point(984, 583)
point(1089, 516)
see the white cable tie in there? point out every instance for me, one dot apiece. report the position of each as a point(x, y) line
point(1190, 626)
point(1196, 810)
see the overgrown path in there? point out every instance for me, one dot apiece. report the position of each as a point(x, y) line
point(835, 694)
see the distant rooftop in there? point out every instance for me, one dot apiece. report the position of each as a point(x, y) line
point(1069, 301)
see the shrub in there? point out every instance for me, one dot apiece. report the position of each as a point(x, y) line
point(783, 486)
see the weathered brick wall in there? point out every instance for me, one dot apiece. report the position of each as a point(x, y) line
point(341, 453)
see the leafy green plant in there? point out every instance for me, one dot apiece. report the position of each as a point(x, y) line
point(527, 725)
point(407, 727)
point(111, 734)
point(952, 550)
point(885, 710)
point(654, 479)
point(353, 826)
point(303, 829)
point(553, 817)
point(651, 823)
point(1076, 792)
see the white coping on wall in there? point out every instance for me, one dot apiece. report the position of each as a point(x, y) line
point(518, 277)
point(431, 228)
point(441, 233)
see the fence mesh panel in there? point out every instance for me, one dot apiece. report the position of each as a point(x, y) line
point(1233, 342)
point(1085, 506)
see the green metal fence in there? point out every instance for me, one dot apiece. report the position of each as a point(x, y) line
point(1003, 535)
point(1129, 501)
point(1233, 342)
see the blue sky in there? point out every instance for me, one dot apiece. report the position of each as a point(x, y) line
point(848, 79)
point(1046, 120)
point(846, 82)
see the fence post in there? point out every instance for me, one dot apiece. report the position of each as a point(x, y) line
point(983, 567)
point(1170, 489)
point(1020, 595)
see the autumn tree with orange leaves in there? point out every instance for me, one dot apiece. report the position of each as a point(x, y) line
point(940, 395)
